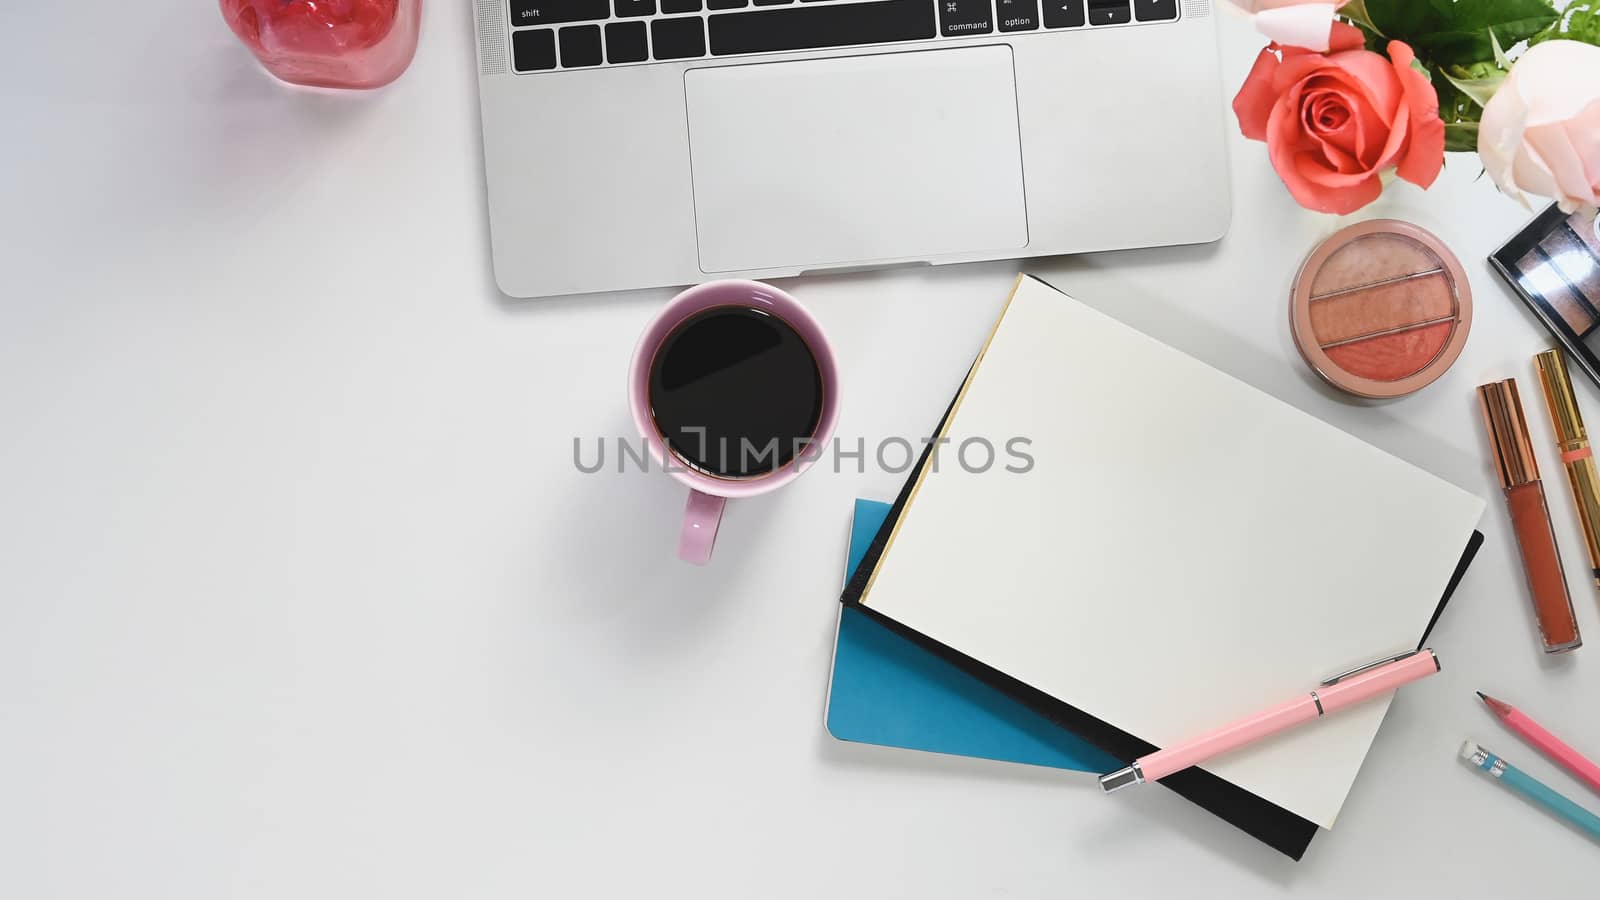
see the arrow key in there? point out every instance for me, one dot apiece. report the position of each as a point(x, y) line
point(1155, 10)
point(1110, 12)
point(1063, 13)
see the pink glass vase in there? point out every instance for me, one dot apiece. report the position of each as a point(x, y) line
point(329, 43)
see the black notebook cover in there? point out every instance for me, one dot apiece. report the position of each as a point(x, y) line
point(1267, 822)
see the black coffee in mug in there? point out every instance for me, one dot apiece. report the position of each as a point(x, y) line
point(735, 392)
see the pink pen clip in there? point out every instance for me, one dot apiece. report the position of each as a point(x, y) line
point(1336, 693)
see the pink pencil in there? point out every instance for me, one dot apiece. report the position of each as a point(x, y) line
point(1547, 743)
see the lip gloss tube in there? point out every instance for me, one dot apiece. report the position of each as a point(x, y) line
point(1530, 515)
point(1572, 440)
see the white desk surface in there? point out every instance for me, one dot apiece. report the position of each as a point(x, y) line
point(302, 596)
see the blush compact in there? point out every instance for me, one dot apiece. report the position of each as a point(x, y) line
point(1381, 309)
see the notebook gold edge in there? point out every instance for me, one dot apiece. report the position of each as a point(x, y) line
point(949, 420)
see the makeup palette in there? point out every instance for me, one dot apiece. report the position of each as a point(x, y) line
point(1381, 309)
point(1554, 265)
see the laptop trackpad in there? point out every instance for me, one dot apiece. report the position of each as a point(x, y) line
point(856, 159)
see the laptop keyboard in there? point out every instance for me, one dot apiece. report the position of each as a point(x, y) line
point(575, 34)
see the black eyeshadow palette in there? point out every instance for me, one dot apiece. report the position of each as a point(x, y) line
point(1554, 266)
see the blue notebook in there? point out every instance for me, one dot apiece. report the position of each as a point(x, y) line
point(890, 691)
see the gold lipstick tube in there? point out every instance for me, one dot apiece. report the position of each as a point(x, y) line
point(1573, 442)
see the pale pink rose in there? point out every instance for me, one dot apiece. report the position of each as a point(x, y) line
point(1541, 131)
point(1294, 23)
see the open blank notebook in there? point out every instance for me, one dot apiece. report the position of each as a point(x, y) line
point(1185, 550)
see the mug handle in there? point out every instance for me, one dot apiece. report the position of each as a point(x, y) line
point(700, 520)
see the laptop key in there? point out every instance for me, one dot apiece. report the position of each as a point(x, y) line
point(675, 7)
point(1063, 13)
point(629, 9)
point(557, 12)
point(773, 2)
point(1109, 12)
point(1155, 10)
point(1017, 15)
point(626, 43)
point(726, 4)
point(958, 17)
point(533, 51)
point(678, 38)
point(580, 46)
point(830, 25)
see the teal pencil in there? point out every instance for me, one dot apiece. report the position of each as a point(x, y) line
point(1533, 789)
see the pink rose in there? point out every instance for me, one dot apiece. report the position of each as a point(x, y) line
point(1294, 23)
point(1334, 123)
point(1541, 130)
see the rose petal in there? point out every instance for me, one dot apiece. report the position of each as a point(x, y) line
point(1423, 155)
point(1283, 137)
point(1560, 155)
point(1530, 173)
point(1321, 113)
point(1371, 132)
point(1338, 142)
point(1371, 128)
point(1584, 130)
point(1396, 140)
point(1555, 150)
point(1354, 191)
point(1253, 104)
point(1328, 112)
point(1504, 119)
point(1375, 76)
point(1557, 79)
point(1333, 158)
point(1284, 147)
point(1283, 129)
point(1365, 78)
point(1345, 36)
point(1309, 25)
point(1312, 170)
point(1395, 146)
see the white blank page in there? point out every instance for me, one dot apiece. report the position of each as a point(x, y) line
point(1186, 549)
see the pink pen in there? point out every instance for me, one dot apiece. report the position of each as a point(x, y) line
point(1338, 692)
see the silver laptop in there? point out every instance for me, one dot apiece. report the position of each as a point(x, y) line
point(647, 143)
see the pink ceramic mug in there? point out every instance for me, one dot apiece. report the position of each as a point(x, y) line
point(709, 493)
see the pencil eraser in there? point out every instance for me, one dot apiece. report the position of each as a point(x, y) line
point(1469, 750)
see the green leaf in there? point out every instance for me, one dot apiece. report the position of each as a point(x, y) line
point(1500, 58)
point(1356, 12)
point(1403, 19)
point(1579, 22)
point(1455, 106)
point(1463, 33)
point(1461, 137)
point(1583, 23)
point(1478, 82)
